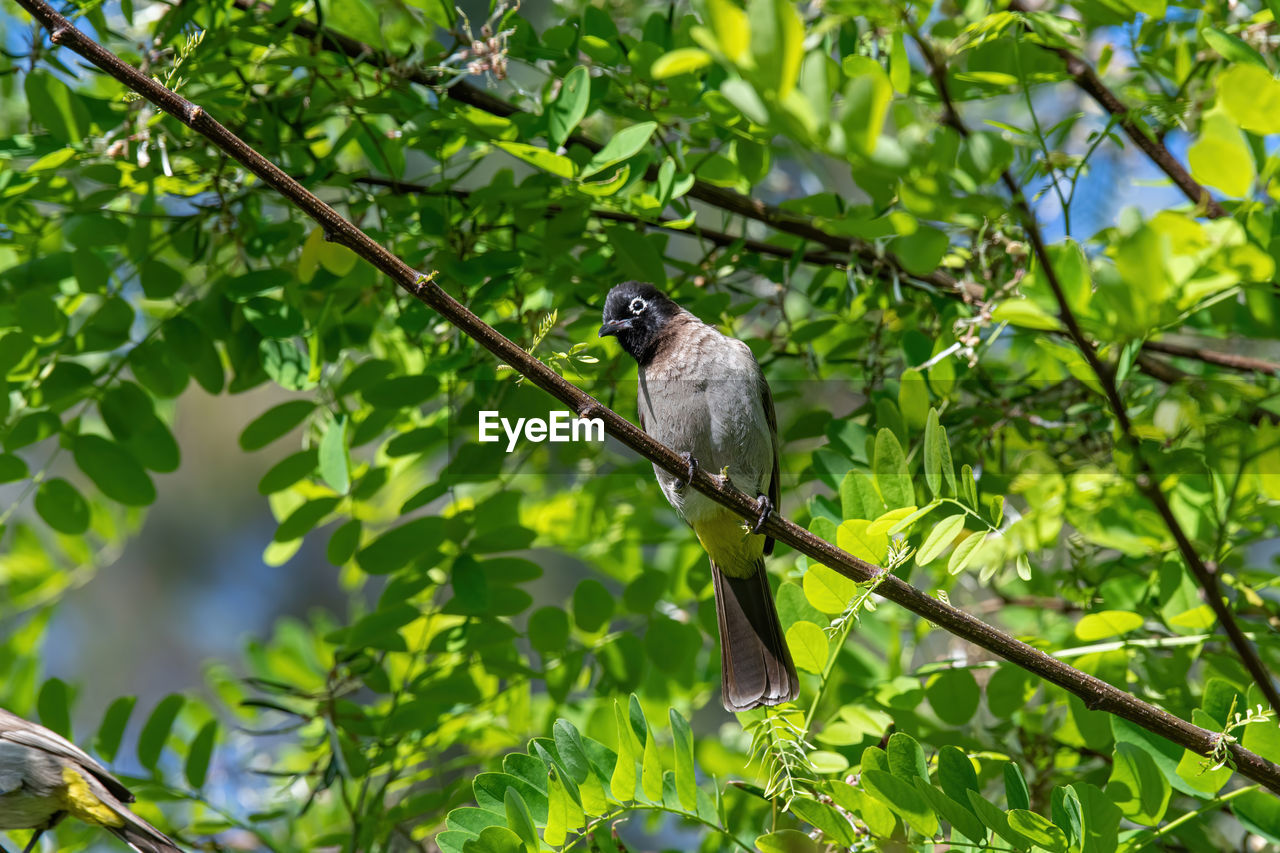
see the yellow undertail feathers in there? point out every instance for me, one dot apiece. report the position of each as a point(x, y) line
point(734, 549)
point(82, 803)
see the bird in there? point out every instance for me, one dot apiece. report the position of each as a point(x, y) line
point(703, 394)
point(44, 778)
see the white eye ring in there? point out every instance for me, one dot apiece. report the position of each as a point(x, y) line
point(638, 305)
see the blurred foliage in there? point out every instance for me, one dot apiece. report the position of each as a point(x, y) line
point(527, 659)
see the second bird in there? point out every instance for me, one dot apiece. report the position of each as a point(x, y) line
point(703, 395)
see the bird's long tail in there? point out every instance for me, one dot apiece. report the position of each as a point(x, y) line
point(755, 662)
point(140, 835)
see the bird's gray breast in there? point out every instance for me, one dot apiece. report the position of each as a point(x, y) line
point(704, 397)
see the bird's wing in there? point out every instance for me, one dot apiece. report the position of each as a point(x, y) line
point(771, 417)
point(24, 733)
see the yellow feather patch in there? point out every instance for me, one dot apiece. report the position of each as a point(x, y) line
point(731, 547)
point(81, 803)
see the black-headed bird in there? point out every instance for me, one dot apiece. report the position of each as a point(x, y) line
point(703, 395)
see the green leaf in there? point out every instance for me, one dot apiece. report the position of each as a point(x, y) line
point(547, 161)
point(1107, 623)
point(858, 496)
point(1231, 48)
point(1101, 818)
point(570, 104)
point(808, 644)
point(938, 467)
point(400, 392)
point(777, 45)
point(1017, 795)
point(957, 776)
point(1137, 786)
point(906, 757)
point(730, 27)
point(199, 754)
point(288, 471)
point(651, 769)
point(592, 605)
point(639, 256)
point(828, 591)
point(495, 839)
point(903, 799)
point(1251, 96)
point(111, 731)
point(684, 60)
point(275, 423)
point(129, 413)
point(860, 539)
point(890, 467)
point(953, 695)
point(964, 552)
point(940, 538)
point(686, 777)
point(834, 825)
point(62, 507)
point(549, 630)
point(1039, 830)
point(1259, 811)
point(624, 144)
point(866, 103)
point(520, 820)
point(54, 706)
point(786, 841)
point(1009, 690)
point(156, 730)
point(113, 470)
point(1220, 158)
point(394, 548)
point(56, 107)
point(899, 64)
point(997, 821)
point(922, 250)
point(1027, 314)
point(959, 816)
point(623, 780)
point(334, 462)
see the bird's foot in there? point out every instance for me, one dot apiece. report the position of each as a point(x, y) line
point(31, 845)
point(693, 466)
point(765, 506)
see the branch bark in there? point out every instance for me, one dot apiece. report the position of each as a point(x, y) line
point(1205, 573)
point(1095, 693)
point(1089, 82)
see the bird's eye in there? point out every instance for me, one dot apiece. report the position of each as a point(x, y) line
point(638, 305)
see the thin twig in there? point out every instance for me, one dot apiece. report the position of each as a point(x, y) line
point(1206, 574)
point(1094, 692)
point(1087, 79)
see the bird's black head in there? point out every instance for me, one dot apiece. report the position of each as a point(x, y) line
point(635, 313)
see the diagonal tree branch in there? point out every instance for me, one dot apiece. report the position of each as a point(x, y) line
point(1089, 81)
point(1096, 694)
point(1205, 573)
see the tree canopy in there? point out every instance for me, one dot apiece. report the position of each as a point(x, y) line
point(1010, 269)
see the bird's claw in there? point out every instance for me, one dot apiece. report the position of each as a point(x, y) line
point(693, 466)
point(765, 506)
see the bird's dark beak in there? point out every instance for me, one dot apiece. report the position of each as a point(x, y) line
point(613, 327)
